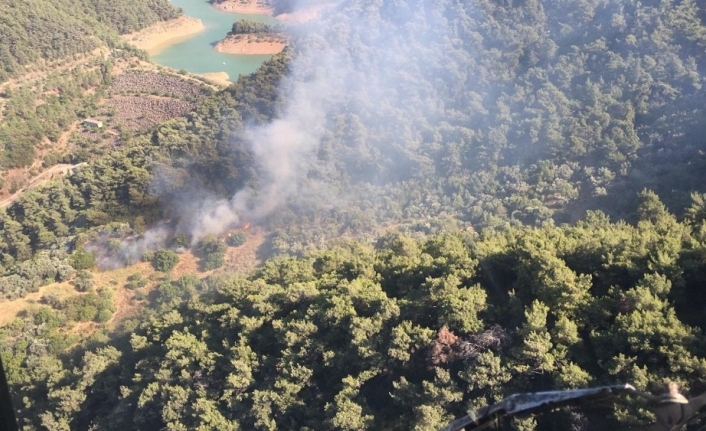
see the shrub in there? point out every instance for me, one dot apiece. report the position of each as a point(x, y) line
point(148, 256)
point(81, 308)
point(237, 239)
point(212, 250)
point(135, 281)
point(52, 299)
point(82, 259)
point(104, 315)
point(214, 260)
point(83, 281)
point(165, 260)
point(181, 241)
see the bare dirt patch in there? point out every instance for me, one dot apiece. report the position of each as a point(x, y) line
point(251, 44)
point(238, 259)
point(162, 34)
point(219, 78)
point(124, 298)
point(188, 265)
point(42, 178)
point(11, 309)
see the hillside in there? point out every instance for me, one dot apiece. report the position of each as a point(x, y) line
point(403, 335)
point(39, 32)
point(453, 201)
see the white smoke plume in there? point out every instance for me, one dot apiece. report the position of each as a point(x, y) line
point(114, 253)
point(374, 64)
point(283, 150)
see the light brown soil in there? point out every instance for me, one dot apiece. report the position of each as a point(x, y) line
point(188, 265)
point(250, 7)
point(252, 44)
point(238, 259)
point(162, 34)
point(125, 305)
point(219, 78)
point(11, 309)
point(42, 178)
point(244, 258)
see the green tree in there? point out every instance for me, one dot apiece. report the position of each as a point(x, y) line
point(165, 260)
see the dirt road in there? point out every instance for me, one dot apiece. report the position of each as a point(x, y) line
point(61, 169)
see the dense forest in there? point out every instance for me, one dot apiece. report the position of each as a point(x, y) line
point(464, 200)
point(246, 26)
point(403, 334)
point(45, 31)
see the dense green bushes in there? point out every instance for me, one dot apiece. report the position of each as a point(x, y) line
point(409, 333)
point(57, 30)
point(165, 260)
point(246, 26)
point(237, 239)
point(89, 307)
point(213, 251)
point(28, 276)
point(502, 115)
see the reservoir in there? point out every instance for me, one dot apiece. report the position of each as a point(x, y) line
point(195, 53)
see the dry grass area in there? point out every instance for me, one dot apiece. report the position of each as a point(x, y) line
point(244, 258)
point(43, 68)
point(238, 259)
point(221, 79)
point(9, 310)
point(252, 44)
point(42, 178)
point(161, 34)
point(117, 279)
point(188, 265)
point(136, 108)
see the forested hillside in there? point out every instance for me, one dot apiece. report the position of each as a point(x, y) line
point(54, 30)
point(402, 335)
point(424, 169)
point(526, 110)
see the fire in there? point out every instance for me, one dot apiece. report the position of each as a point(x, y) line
point(246, 226)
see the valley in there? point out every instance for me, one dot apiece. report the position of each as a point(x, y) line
point(361, 215)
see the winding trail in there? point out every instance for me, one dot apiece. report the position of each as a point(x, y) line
point(61, 169)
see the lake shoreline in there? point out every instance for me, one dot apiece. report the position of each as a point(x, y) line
point(218, 78)
point(165, 33)
point(248, 7)
point(195, 53)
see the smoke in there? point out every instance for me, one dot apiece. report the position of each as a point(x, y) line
point(347, 54)
point(283, 151)
point(446, 101)
point(114, 250)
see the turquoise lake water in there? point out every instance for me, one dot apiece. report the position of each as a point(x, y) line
point(195, 53)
